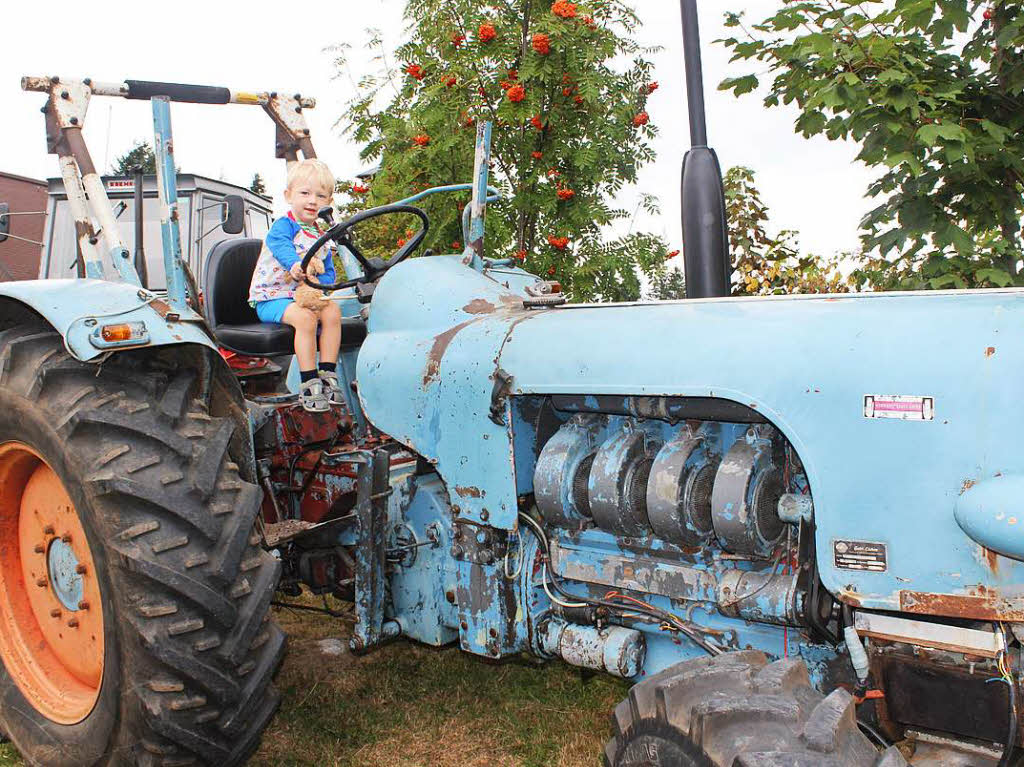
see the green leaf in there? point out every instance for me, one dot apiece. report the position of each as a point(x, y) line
point(739, 85)
point(929, 134)
point(997, 277)
point(996, 131)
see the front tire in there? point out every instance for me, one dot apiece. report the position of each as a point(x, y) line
point(180, 590)
point(738, 710)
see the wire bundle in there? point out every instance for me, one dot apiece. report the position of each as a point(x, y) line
point(613, 600)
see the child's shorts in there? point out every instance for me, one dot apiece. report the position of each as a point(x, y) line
point(273, 310)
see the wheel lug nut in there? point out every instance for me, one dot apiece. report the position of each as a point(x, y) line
point(39, 548)
point(54, 613)
point(48, 530)
point(40, 581)
point(83, 605)
point(80, 569)
point(73, 623)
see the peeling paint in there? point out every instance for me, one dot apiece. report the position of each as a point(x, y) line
point(479, 306)
point(441, 343)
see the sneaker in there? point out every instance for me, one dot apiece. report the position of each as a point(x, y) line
point(312, 397)
point(332, 387)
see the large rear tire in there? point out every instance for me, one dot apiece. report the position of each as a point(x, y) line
point(131, 529)
point(738, 710)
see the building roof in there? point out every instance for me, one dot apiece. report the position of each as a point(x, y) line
point(16, 177)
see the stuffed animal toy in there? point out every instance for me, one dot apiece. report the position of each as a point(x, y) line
point(307, 295)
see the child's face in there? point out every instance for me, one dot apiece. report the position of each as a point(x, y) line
point(306, 197)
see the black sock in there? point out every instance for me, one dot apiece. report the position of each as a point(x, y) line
point(307, 375)
point(329, 367)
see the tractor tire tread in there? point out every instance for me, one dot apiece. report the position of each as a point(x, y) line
point(176, 519)
point(702, 713)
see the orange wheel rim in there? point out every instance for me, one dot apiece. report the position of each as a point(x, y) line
point(51, 615)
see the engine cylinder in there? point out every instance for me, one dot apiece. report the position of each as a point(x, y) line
point(618, 481)
point(679, 491)
point(745, 500)
point(560, 479)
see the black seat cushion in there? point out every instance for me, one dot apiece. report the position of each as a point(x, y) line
point(229, 269)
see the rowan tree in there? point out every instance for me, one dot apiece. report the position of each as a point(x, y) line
point(566, 87)
point(932, 91)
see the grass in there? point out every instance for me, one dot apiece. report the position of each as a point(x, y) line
point(416, 706)
point(407, 704)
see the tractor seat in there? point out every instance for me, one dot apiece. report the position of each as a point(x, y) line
point(229, 268)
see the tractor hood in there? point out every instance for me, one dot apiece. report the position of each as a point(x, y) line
point(447, 344)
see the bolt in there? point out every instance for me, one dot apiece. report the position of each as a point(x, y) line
point(66, 537)
point(54, 613)
point(485, 515)
point(39, 548)
point(298, 96)
point(41, 582)
point(83, 605)
point(493, 633)
point(54, 80)
point(87, 81)
point(73, 623)
point(450, 596)
point(48, 530)
point(80, 569)
point(65, 95)
point(298, 109)
point(464, 626)
point(486, 556)
point(74, 121)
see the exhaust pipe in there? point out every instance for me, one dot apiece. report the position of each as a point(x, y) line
point(705, 238)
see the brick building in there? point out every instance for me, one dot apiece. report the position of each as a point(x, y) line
point(19, 255)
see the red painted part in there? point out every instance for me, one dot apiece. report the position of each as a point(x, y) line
point(242, 361)
point(53, 654)
point(301, 437)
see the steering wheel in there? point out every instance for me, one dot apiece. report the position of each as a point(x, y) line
point(373, 268)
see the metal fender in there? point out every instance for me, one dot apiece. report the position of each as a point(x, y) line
point(991, 513)
point(76, 308)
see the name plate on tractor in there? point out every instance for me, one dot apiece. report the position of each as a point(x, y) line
point(902, 407)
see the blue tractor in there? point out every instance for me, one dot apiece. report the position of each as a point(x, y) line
point(792, 521)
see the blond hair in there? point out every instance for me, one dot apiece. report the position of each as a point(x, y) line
point(315, 170)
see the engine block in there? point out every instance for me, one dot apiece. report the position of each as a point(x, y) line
point(692, 484)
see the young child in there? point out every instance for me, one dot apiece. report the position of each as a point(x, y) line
point(279, 271)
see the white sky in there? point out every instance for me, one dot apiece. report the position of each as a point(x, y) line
point(812, 186)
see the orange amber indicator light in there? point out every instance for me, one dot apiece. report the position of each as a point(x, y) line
point(128, 331)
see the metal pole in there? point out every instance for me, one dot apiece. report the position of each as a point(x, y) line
point(89, 263)
point(140, 250)
point(705, 231)
point(474, 253)
point(100, 205)
point(694, 74)
point(167, 187)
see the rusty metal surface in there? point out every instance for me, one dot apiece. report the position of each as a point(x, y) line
point(980, 603)
point(645, 575)
point(293, 130)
